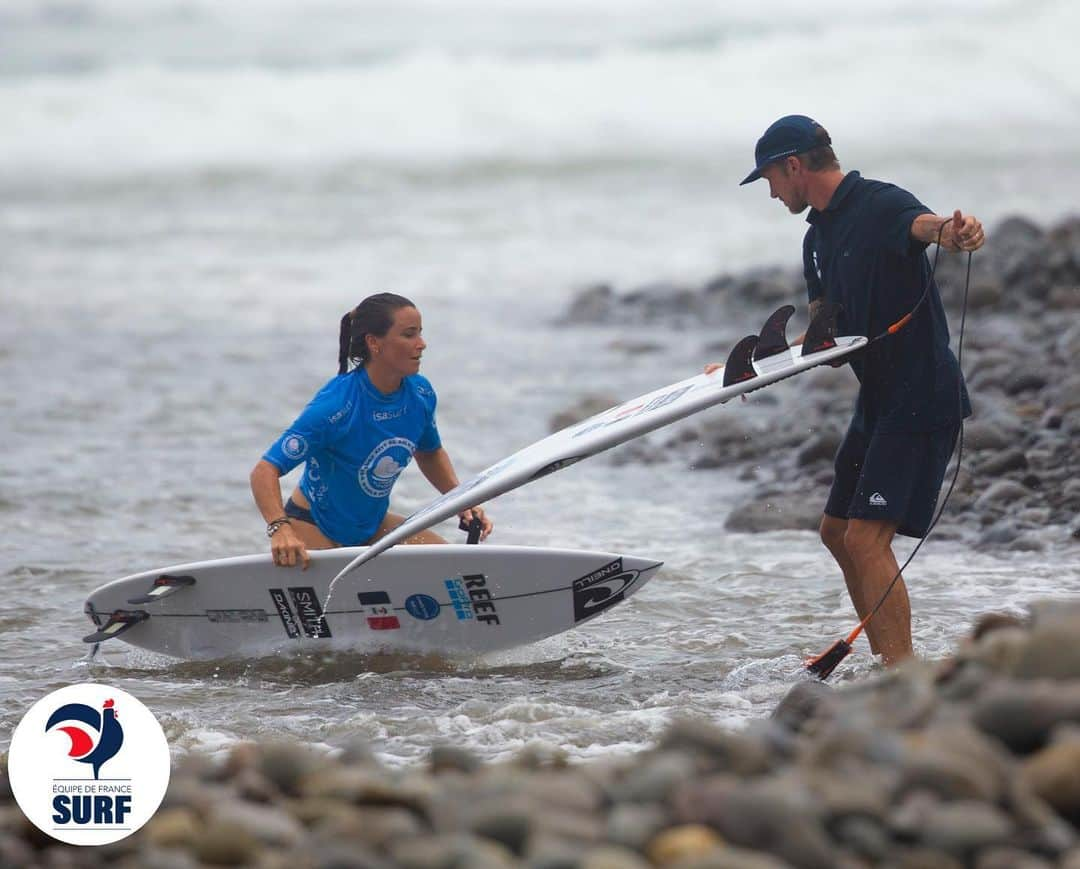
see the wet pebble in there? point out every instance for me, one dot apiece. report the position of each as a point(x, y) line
point(964, 827)
point(1003, 493)
point(1053, 774)
point(968, 762)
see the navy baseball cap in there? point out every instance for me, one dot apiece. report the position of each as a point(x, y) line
point(792, 134)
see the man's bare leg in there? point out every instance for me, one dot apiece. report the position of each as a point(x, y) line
point(869, 545)
point(832, 531)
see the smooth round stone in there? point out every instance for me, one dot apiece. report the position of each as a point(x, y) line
point(613, 857)
point(227, 845)
point(682, 843)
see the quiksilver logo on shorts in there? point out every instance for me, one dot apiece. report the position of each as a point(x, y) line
point(878, 500)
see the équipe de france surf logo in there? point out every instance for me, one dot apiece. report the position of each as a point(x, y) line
point(88, 764)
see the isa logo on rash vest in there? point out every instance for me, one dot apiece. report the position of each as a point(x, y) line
point(88, 764)
point(383, 464)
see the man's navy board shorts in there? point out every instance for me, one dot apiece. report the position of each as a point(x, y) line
point(894, 477)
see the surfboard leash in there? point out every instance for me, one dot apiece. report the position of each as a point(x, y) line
point(903, 321)
point(823, 665)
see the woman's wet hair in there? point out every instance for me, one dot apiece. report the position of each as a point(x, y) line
point(373, 316)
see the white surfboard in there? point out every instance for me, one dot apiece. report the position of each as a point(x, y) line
point(448, 599)
point(755, 362)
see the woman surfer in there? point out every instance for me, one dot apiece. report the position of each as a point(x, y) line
point(355, 437)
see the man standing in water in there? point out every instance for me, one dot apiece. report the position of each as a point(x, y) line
point(866, 251)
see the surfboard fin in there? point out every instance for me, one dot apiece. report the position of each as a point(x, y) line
point(740, 362)
point(773, 337)
point(163, 586)
point(821, 333)
point(119, 621)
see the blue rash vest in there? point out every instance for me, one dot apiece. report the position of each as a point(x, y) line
point(355, 441)
point(859, 252)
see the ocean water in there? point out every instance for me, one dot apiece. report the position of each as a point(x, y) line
point(192, 193)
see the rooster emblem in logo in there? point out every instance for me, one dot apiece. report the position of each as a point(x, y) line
point(94, 746)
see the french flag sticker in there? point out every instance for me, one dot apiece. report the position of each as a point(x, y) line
point(379, 612)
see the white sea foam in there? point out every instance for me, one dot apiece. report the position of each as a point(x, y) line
point(419, 86)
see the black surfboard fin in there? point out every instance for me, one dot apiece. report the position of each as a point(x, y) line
point(821, 333)
point(119, 621)
point(740, 362)
point(773, 338)
point(164, 586)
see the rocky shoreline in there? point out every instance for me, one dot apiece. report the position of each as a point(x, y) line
point(1019, 484)
point(973, 761)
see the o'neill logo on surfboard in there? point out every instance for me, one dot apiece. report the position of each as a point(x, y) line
point(88, 764)
point(601, 589)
